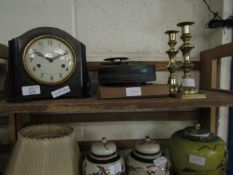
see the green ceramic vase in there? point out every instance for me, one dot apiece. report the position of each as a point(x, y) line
point(194, 151)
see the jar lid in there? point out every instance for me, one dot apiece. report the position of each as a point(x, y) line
point(103, 148)
point(147, 146)
point(196, 131)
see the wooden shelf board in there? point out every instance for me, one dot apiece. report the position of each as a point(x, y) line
point(93, 104)
point(38, 118)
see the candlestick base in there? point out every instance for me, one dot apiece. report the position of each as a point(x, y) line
point(197, 95)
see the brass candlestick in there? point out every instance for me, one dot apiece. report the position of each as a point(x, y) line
point(187, 89)
point(171, 67)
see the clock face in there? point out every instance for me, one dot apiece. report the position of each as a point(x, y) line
point(49, 60)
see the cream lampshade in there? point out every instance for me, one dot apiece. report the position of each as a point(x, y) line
point(45, 150)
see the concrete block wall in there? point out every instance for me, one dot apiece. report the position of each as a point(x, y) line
point(127, 27)
point(130, 28)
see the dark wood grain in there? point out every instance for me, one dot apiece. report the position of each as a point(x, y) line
point(115, 116)
point(94, 105)
point(210, 66)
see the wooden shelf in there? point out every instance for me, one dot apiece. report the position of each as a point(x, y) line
point(215, 98)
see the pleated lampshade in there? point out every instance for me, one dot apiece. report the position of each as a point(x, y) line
point(45, 150)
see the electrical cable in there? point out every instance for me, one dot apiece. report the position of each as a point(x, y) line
point(217, 20)
point(214, 13)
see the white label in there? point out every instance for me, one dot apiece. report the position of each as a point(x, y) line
point(60, 91)
point(114, 169)
point(133, 91)
point(197, 160)
point(188, 82)
point(31, 90)
point(161, 162)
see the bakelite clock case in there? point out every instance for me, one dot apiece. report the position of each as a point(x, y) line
point(78, 83)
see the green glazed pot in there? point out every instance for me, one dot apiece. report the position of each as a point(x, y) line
point(195, 151)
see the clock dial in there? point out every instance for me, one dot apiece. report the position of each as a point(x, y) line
point(49, 60)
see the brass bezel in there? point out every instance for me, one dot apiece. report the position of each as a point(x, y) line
point(75, 56)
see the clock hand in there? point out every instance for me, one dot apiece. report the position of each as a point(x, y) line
point(39, 54)
point(42, 55)
point(60, 55)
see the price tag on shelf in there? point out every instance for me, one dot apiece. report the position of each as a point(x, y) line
point(60, 91)
point(161, 162)
point(133, 91)
point(30, 90)
point(198, 160)
point(188, 82)
point(115, 169)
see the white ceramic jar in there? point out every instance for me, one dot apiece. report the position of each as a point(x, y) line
point(103, 159)
point(147, 159)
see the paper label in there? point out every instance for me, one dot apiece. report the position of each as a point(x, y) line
point(160, 162)
point(133, 91)
point(30, 90)
point(114, 169)
point(198, 160)
point(188, 82)
point(60, 91)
